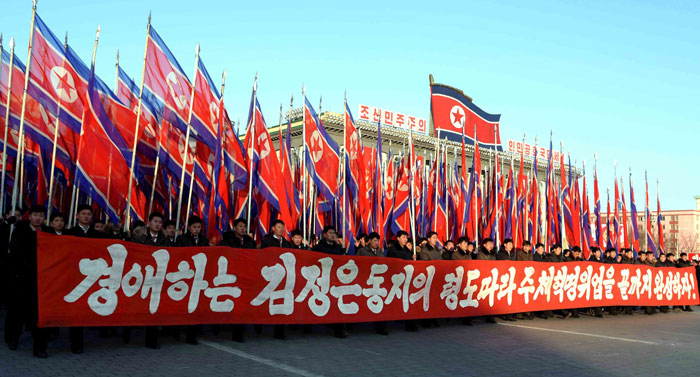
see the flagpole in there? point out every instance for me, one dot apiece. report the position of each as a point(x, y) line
point(496, 192)
point(186, 150)
point(595, 183)
point(20, 145)
point(7, 124)
point(411, 182)
point(476, 178)
point(155, 169)
point(55, 132)
point(127, 216)
point(252, 153)
point(303, 162)
point(617, 236)
point(646, 211)
point(343, 189)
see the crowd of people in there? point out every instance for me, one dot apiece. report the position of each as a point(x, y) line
point(18, 292)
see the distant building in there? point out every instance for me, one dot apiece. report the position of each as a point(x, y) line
point(681, 228)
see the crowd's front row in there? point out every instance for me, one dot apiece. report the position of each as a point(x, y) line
point(19, 290)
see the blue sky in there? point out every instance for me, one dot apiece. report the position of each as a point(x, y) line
point(620, 78)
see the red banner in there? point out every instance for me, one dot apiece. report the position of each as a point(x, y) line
point(85, 282)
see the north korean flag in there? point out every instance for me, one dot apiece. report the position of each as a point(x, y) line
point(105, 175)
point(166, 86)
point(452, 111)
point(322, 156)
point(205, 107)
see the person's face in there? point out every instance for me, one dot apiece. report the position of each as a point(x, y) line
point(672, 258)
point(630, 255)
point(685, 258)
point(463, 245)
point(278, 230)
point(402, 240)
point(409, 245)
point(170, 230)
point(557, 251)
point(374, 243)
point(540, 250)
point(662, 258)
point(488, 246)
point(37, 218)
point(155, 224)
point(296, 240)
point(449, 246)
point(433, 240)
point(330, 235)
point(642, 256)
point(470, 247)
point(527, 248)
point(597, 253)
point(240, 229)
point(58, 223)
point(194, 229)
point(85, 217)
point(508, 246)
point(99, 226)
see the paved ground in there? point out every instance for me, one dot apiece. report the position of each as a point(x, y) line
point(664, 344)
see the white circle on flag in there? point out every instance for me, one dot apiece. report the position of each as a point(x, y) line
point(316, 148)
point(214, 113)
point(353, 146)
point(63, 84)
point(457, 116)
point(264, 142)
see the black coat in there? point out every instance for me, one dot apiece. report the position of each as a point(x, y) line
point(539, 258)
point(399, 252)
point(188, 239)
point(681, 263)
point(230, 239)
point(146, 239)
point(367, 251)
point(270, 241)
point(485, 254)
point(503, 255)
point(327, 248)
point(553, 258)
point(77, 231)
point(22, 279)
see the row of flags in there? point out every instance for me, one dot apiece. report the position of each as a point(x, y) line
point(168, 144)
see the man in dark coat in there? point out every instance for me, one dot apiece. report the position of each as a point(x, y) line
point(429, 251)
point(539, 255)
point(194, 237)
point(298, 241)
point(328, 244)
point(462, 251)
point(506, 252)
point(399, 248)
point(154, 236)
point(486, 250)
point(57, 224)
point(85, 230)
point(170, 230)
point(524, 254)
point(372, 249)
point(276, 236)
point(23, 303)
point(276, 239)
point(239, 238)
point(682, 263)
point(555, 255)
